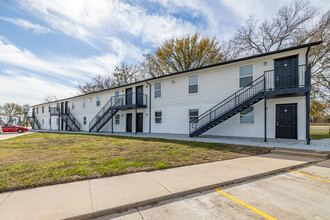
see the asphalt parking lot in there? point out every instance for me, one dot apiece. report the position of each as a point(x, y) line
point(301, 194)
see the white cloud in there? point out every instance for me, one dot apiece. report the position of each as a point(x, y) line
point(36, 28)
point(91, 21)
point(34, 77)
point(30, 90)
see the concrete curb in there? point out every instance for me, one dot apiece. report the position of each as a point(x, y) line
point(184, 193)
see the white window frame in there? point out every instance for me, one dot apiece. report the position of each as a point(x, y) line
point(158, 117)
point(158, 90)
point(193, 84)
point(84, 102)
point(117, 119)
point(72, 104)
point(193, 116)
point(239, 74)
point(85, 120)
point(249, 115)
point(98, 100)
point(43, 109)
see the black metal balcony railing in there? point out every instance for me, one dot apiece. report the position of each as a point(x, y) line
point(132, 100)
point(54, 110)
point(287, 78)
point(280, 81)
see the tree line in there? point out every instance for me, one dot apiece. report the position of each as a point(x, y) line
point(15, 110)
point(294, 24)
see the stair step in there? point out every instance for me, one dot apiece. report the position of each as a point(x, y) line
point(302, 153)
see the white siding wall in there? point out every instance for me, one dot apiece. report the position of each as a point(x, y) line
point(215, 84)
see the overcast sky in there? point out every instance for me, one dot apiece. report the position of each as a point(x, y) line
point(48, 47)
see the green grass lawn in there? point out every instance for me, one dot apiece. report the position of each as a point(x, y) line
point(320, 132)
point(48, 158)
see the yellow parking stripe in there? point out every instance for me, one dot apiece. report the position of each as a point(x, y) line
point(246, 205)
point(310, 176)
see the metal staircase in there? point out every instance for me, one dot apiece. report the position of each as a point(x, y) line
point(71, 121)
point(105, 114)
point(34, 121)
point(235, 103)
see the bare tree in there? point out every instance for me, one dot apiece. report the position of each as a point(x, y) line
point(294, 24)
point(50, 98)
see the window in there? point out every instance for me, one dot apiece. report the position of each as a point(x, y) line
point(72, 104)
point(246, 116)
point(43, 121)
point(245, 75)
point(117, 119)
point(84, 102)
point(158, 90)
point(43, 109)
point(98, 100)
point(193, 115)
point(193, 84)
point(85, 120)
point(158, 117)
point(116, 96)
point(38, 110)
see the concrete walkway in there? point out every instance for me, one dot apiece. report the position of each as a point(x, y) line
point(318, 145)
point(6, 136)
point(92, 198)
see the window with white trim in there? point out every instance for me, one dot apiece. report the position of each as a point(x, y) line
point(85, 120)
point(43, 121)
point(193, 115)
point(246, 116)
point(158, 117)
point(193, 84)
point(98, 100)
point(117, 119)
point(43, 109)
point(73, 104)
point(158, 90)
point(84, 102)
point(117, 96)
point(245, 75)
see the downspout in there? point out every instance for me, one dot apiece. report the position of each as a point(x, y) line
point(149, 106)
point(308, 99)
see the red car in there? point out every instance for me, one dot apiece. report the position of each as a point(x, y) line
point(6, 127)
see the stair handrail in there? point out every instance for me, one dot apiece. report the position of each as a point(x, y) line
point(73, 119)
point(238, 91)
point(259, 81)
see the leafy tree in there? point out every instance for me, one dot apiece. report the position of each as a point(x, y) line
point(294, 24)
point(10, 108)
point(180, 54)
point(319, 111)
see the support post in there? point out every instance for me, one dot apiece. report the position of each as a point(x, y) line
point(135, 120)
point(112, 121)
point(308, 138)
point(265, 109)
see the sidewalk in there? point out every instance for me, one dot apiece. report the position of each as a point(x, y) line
point(92, 198)
point(6, 136)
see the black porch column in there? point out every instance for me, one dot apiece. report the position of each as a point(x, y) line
point(308, 138)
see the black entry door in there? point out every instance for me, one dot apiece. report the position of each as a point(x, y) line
point(286, 72)
point(139, 122)
point(139, 95)
point(129, 122)
point(128, 98)
point(286, 121)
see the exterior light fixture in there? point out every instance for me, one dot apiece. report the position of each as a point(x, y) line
point(265, 63)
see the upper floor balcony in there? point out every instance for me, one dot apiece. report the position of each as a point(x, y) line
point(286, 80)
point(129, 101)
